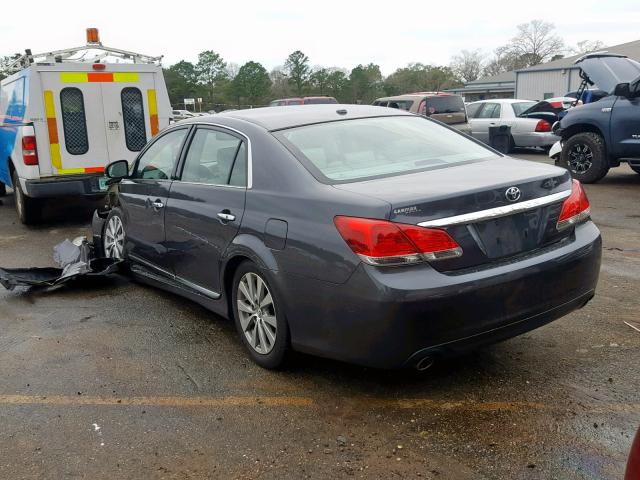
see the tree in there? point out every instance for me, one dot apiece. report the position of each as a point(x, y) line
point(468, 64)
point(280, 87)
point(210, 69)
point(297, 70)
point(535, 42)
point(504, 60)
point(338, 84)
point(417, 77)
point(181, 81)
point(586, 46)
point(318, 79)
point(366, 83)
point(252, 83)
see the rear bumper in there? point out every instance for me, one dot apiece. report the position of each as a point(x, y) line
point(535, 139)
point(68, 186)
point(392, 317)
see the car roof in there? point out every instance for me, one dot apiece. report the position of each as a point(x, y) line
point(503, 100)
point(415, 96)
point(277, 118)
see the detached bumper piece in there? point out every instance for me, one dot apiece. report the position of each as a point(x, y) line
point(75, 258)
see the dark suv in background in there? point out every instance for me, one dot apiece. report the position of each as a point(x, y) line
point(599, 135)
point(444, 107)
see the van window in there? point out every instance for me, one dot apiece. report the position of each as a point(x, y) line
point(133, 115)
point(74, 122)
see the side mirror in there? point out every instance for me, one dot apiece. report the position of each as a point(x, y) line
point(622, 90)
point(117, 170)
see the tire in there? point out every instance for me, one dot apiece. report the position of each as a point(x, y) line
point(3, 189)
point(267, 341)
point(113, 235)
point(29, 209)
point(585, 156)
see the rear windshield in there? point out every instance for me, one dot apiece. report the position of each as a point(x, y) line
point(317, 101)
point(364, 148)
point(444, 104)
point(520, 107)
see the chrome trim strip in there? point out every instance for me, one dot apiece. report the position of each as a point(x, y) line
point(147, 263)
point(198, 288)
point(187, 283)
point(497, 212)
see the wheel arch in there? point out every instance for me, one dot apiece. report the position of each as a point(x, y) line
point(244, 247)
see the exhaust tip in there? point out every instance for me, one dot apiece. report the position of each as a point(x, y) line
point(425, 363)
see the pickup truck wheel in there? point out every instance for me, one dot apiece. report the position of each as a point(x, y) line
point(585, 156)
point(29, 209)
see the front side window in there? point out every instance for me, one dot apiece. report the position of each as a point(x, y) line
point(74, 121)
point(351, 150)
point(212, 157)
point(158, 161)
point(135, 133)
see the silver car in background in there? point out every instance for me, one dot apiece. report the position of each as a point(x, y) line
point(530, 123)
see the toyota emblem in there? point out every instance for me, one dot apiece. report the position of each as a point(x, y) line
point(513, 194)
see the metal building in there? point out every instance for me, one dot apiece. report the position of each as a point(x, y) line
point(554, 79)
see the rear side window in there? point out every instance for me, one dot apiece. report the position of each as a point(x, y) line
point(444, 104)
point(212, 158)
point(490, 110)
point(74, 121)
point(135, 133)
point(473, 109)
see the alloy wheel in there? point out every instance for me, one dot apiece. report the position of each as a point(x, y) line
point(257, 313)
point(580, 158)
point(114, 238)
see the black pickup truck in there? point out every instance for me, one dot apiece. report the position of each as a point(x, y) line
point(599, 135)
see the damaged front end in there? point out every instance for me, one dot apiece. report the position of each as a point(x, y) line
point(76, 258)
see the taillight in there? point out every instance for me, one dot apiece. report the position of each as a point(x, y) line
point(380, 242)
point(29, 150)
point(543, 126)
point(575, 208)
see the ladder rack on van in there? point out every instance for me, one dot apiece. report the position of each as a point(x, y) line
point(67, 54)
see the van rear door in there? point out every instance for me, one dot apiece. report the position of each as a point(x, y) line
point(129, 105)
point(75, 121)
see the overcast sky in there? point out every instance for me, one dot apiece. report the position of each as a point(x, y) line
point(332, 33)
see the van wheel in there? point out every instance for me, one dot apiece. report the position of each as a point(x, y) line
point(29, 209)
point(585, 156)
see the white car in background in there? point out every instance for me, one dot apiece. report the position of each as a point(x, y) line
point(530, 121)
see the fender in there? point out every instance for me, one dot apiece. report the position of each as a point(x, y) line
point(252, 247)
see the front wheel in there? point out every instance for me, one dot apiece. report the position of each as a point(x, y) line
point(259, 317)
point(585, 156)
point(113, 236)
point(29, 209)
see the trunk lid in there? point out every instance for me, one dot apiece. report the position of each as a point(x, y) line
point(464, 190)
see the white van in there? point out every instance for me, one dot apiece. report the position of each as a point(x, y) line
point(62, 121)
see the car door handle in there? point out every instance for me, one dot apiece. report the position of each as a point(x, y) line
point(226, 216)
point(157, 205)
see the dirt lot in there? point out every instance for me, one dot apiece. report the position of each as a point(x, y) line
point(111, 379)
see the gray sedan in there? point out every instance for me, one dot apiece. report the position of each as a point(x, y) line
point(364, 234)
point(525, 131)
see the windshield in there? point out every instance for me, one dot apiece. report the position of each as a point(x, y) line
point(371, 147)
point(520, 107)
point(444, 104)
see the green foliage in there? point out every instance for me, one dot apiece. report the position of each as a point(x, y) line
point(297, 69)
point(251, 83)
point(318, 80)
point(366, 83)
point(209, 70)
point(417, 77)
